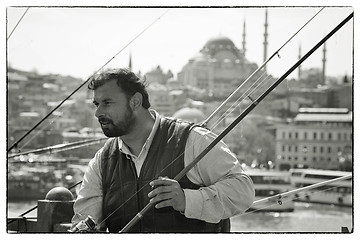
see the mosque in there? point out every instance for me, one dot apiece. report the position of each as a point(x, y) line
point(220, 66)
point(216, 70)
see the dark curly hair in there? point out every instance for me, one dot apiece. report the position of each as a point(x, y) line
point(128, 81)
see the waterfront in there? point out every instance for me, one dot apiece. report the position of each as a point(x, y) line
point(305, 218)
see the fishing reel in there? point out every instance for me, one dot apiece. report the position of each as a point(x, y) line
point(84, 226)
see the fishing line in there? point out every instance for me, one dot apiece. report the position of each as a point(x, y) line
point(39, 131)
point(283, 200)
point(279, 79)
point(287, 199)
point(84, 143)
point(320, 190)
point(63, 101)
point(35, 207)
point(55, 118)
point(259, 99)
point(276, 53)
point(159, 173)
point(61, 147)
point(71, 94)
point(205, 122)
point(239, 118)
point(238, 89)
point(238, 101)
point(290, 70)
point(27, 9)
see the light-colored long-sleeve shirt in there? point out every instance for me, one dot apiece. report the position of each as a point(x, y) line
point(225, 189)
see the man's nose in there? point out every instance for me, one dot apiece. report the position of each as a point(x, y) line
point(98, 112)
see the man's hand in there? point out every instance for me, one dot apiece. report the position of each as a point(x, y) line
point(167, 192)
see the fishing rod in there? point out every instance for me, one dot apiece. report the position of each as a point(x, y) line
point(58, 148)
point(61, 147)
point(27, 9)
point(62, 102)
point(55, 149)
point(276, 53)
point(253, 104)
point(275, 198)
point(81, 85)
point(278, 197)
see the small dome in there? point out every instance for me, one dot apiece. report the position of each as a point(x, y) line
point(189, 114)
point(198, 60)
point(198, 57)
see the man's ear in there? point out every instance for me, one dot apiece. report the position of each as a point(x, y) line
point(136, 101)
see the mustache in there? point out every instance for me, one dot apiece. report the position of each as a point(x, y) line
point(104, 120)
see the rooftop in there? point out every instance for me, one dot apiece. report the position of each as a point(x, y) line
point(323, 117)
point(324, 110)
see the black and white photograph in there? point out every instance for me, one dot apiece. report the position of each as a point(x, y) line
point(179, 119)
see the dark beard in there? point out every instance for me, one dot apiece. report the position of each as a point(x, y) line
point(120, 128)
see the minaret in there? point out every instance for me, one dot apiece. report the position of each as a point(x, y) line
point(299, 73)
point(130, 63)
point(323, 65)
point(265, 38)
point(244, 39)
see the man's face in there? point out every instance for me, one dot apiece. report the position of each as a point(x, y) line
point(113, 110)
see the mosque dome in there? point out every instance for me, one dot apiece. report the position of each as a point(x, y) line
point(220, 44)
point(219, 41)
point(190, 114)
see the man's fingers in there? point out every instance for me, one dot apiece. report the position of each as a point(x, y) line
point(166, 203)
point(167, 192)
point(162, 197)
point(162, 181)
point(159, 190)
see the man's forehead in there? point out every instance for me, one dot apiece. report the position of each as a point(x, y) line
point(107, 90)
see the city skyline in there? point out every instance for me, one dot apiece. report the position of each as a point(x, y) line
point(60, 41)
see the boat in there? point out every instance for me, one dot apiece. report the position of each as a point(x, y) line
point(337, 193)
point(269, 183)
point(33, 177)
point(29, 185)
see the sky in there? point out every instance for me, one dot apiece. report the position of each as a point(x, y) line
point(79, 41)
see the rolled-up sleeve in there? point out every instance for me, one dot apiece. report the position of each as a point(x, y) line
point(225, 189)
point(89, 199)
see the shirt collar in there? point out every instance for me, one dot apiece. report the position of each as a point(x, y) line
point(125, 149)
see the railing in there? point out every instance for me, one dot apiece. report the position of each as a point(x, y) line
point(55, 212)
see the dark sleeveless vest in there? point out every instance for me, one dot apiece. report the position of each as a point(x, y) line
point(125, 194)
